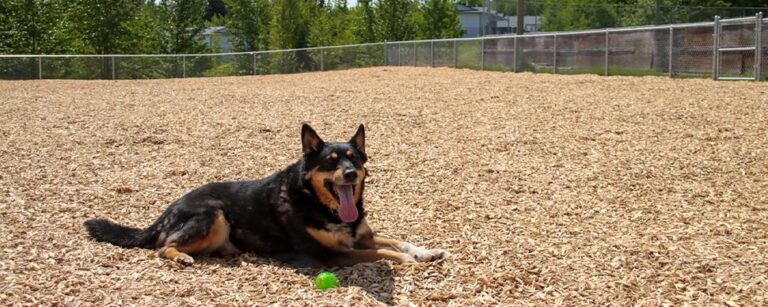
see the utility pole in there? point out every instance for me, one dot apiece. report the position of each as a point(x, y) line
point(520, 31)
point(520, 17)
point(487, 9)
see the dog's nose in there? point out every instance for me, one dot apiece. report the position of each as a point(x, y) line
point(350, 174)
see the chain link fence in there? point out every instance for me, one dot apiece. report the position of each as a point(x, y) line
point(556, 15)
point(726, 49)
point(764, 51)
point(737, 41)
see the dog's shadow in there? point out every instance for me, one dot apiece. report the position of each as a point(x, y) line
point(376, 278)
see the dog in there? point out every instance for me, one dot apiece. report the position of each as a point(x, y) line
point(313, 207)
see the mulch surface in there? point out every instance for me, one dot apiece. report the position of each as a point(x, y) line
point(546, 189)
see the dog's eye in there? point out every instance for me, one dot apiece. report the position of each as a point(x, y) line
point(333, 156)
point(349, 153)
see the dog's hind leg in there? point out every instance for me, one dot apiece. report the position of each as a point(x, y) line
point(419, 253)
point(205, 232)
point(355, 256)
point(171, 253)
point(228, 249)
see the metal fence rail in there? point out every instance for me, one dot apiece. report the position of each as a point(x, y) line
point(727, 49)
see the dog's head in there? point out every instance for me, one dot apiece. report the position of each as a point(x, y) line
point(335, 171)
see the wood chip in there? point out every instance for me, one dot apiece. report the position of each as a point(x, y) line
point(546, 189)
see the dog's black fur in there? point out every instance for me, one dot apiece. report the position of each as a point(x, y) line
point(290, 211)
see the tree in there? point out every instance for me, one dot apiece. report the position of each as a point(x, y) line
point(32, 27)
point(5, 28)
point(183, 22)
point(578, 14)
point(394, 21)
point(439, 20)
point(35, 27)
point(332, 25)
point(216, 7)
point(289, 25)
point(146, 27)
point(363, 21)
point(105, 25)
point(475, 2)
point(288, 30)
point(643, 12)
point(249, 22)
point(747, 3)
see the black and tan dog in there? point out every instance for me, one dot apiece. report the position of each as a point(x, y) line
point(313, 207)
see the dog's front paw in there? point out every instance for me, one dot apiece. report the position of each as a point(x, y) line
point(184, 259)
point(430, 255)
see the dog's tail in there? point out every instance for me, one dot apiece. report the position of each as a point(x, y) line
point(123, 236)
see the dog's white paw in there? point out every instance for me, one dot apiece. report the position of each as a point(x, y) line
point(184, 259)
point(426, 255)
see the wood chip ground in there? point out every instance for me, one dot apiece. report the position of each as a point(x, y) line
point(547, 189)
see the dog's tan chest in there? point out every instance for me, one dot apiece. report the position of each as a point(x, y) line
point(338, 240)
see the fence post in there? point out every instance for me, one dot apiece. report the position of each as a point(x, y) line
point(254, 62)
point(40, 67)
point(415, 55)
point(607, 52)
point(715, 48)
point(482, 53)
point(399, 63)
point(432, 54)
point(455, 54)
point(514, 55)
point(183, 66)
point(386, 54)
point(758, 46)
point(322, 59)
point(554, 55)
point(113, 68)
point(671, 48)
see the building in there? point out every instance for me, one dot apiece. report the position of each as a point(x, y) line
point(508, 24)
point(217, 39)
point(477, 21)
point(482, 21)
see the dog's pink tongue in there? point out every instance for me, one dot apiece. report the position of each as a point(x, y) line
point(347, 209)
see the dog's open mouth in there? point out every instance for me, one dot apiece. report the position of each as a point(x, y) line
point(345, 196)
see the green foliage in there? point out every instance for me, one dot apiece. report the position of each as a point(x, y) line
point(147, 27)
point(749, 3)
point(217, 21)
point(248, 23)
point(363, 21)
point(438, 19)
point(216, 8)
point(223, 70)
point(578, 14)
point(644, 12)
point(475, 2)
point(103, 25)
point(182, 21)
point(509, 7)
point(290, 24)
point(395, 21)
point(581, 14)
point(32, 27)
point(331, 26)
point(289, 29)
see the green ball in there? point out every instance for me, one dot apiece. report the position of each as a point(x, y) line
point(326, 280)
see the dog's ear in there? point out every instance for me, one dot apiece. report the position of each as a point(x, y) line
point(310, 141)
point(359, 139)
